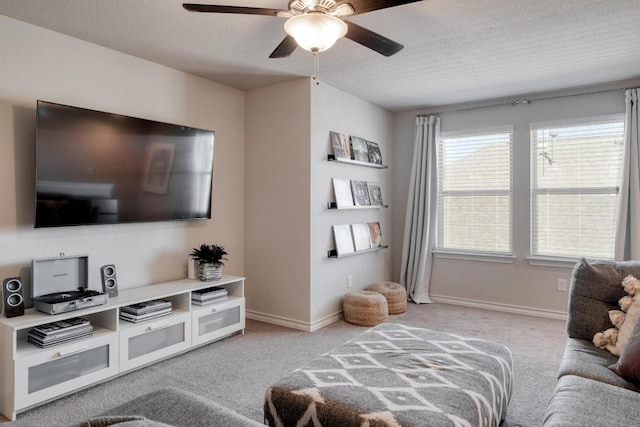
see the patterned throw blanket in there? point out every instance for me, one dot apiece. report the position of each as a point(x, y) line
point(394, 375)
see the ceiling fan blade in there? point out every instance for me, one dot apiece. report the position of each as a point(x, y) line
point(368, 38)
point(285, 48)
point(210, 8)
point(362, 6)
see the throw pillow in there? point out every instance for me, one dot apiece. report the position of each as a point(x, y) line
point(624, 320)
point(628, 365)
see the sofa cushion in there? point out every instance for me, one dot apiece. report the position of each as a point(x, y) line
point(121, 421)
point(628, 365)
point(177, 407)
point(579, 402)
point(582, 358)
point(595, 289)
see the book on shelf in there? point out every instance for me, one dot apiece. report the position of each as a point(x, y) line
point(359, 149)
point(343, 239)
point(376, 234)
point(61, 334)
point(210, 300)
point(61, 325)
point(361, 237)
point(340, 145)
point(146, 315)
point(47, 344)
point(360, 193)
point(49, 340)
point(375, 194)
point(373, 150)
point(129, 316)
point(342, 192)
point(209, 293)
point(146, 307)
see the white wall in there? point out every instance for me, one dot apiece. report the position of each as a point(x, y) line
point(290, 279)
point(335, 110)
point(40, 64)
point(503, 286)
point(277, 203)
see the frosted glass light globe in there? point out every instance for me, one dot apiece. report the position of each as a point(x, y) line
point(315, 31)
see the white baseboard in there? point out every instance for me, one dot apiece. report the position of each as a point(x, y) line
point(293, 323)
point(310, 327)
point(537, 312)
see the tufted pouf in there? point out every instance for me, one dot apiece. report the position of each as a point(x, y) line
point(395, 294)
point(365, 308)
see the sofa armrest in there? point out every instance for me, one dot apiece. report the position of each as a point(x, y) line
point(181, 408)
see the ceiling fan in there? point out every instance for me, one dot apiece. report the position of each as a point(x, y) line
point(315, 25)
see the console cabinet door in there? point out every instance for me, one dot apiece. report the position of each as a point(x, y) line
point(51, 372)
point(217, 320)
point(154, 339)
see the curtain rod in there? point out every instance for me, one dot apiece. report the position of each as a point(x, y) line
point(524, 101)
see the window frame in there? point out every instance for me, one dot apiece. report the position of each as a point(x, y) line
point(476, 255)
point(558, 260)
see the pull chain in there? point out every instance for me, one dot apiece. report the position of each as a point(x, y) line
point(316, 58)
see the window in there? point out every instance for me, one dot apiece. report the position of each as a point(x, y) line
point(575, 174)
point(475, 192)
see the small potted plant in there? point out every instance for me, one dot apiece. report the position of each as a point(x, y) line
point(210, 259)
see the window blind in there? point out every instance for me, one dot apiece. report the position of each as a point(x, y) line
point(575, 175)
point(475, 193)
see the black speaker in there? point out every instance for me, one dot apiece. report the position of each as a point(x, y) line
point(13, 297)
point(109, 280)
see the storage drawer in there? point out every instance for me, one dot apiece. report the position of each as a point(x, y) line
point(51, 372)
point(218, 320)
point(154, 339)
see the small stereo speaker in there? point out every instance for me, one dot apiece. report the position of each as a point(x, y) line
point(109, 280)
point(13, 297)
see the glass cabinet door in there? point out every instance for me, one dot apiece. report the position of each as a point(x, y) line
point(152, 340)
point(51, 372)
point(218, 320)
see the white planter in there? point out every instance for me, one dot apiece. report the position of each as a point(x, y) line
point(209, 272)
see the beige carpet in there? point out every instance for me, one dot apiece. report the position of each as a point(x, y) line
point(236, 371)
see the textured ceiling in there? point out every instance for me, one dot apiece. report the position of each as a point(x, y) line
point(455, 50)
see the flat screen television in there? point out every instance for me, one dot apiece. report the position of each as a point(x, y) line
point(94, 167)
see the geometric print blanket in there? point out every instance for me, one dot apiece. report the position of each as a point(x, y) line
point(394, 375)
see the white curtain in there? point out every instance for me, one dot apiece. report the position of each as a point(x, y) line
point(627, 245)
point(420, 220)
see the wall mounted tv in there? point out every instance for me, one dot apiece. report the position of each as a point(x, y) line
point(94, 167)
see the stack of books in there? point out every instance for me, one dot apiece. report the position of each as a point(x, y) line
point(208, 296)
point(145, 310)
point(60, 332)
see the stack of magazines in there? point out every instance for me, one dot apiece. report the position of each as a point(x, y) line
point(60, 332)
point(145, 310)
point(208, 296)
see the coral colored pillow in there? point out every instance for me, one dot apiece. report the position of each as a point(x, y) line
point(628, 366)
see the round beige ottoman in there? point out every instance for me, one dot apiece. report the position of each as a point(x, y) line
point(365, 308)
point(395, 294)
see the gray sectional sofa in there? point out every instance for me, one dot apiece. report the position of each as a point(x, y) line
point(588, 393)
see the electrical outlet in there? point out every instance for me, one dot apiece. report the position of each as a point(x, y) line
point(562, 285)
point(349, 281)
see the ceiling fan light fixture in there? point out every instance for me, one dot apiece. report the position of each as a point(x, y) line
point(315, 32)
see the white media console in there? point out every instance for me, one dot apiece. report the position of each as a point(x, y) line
point(30, 375)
